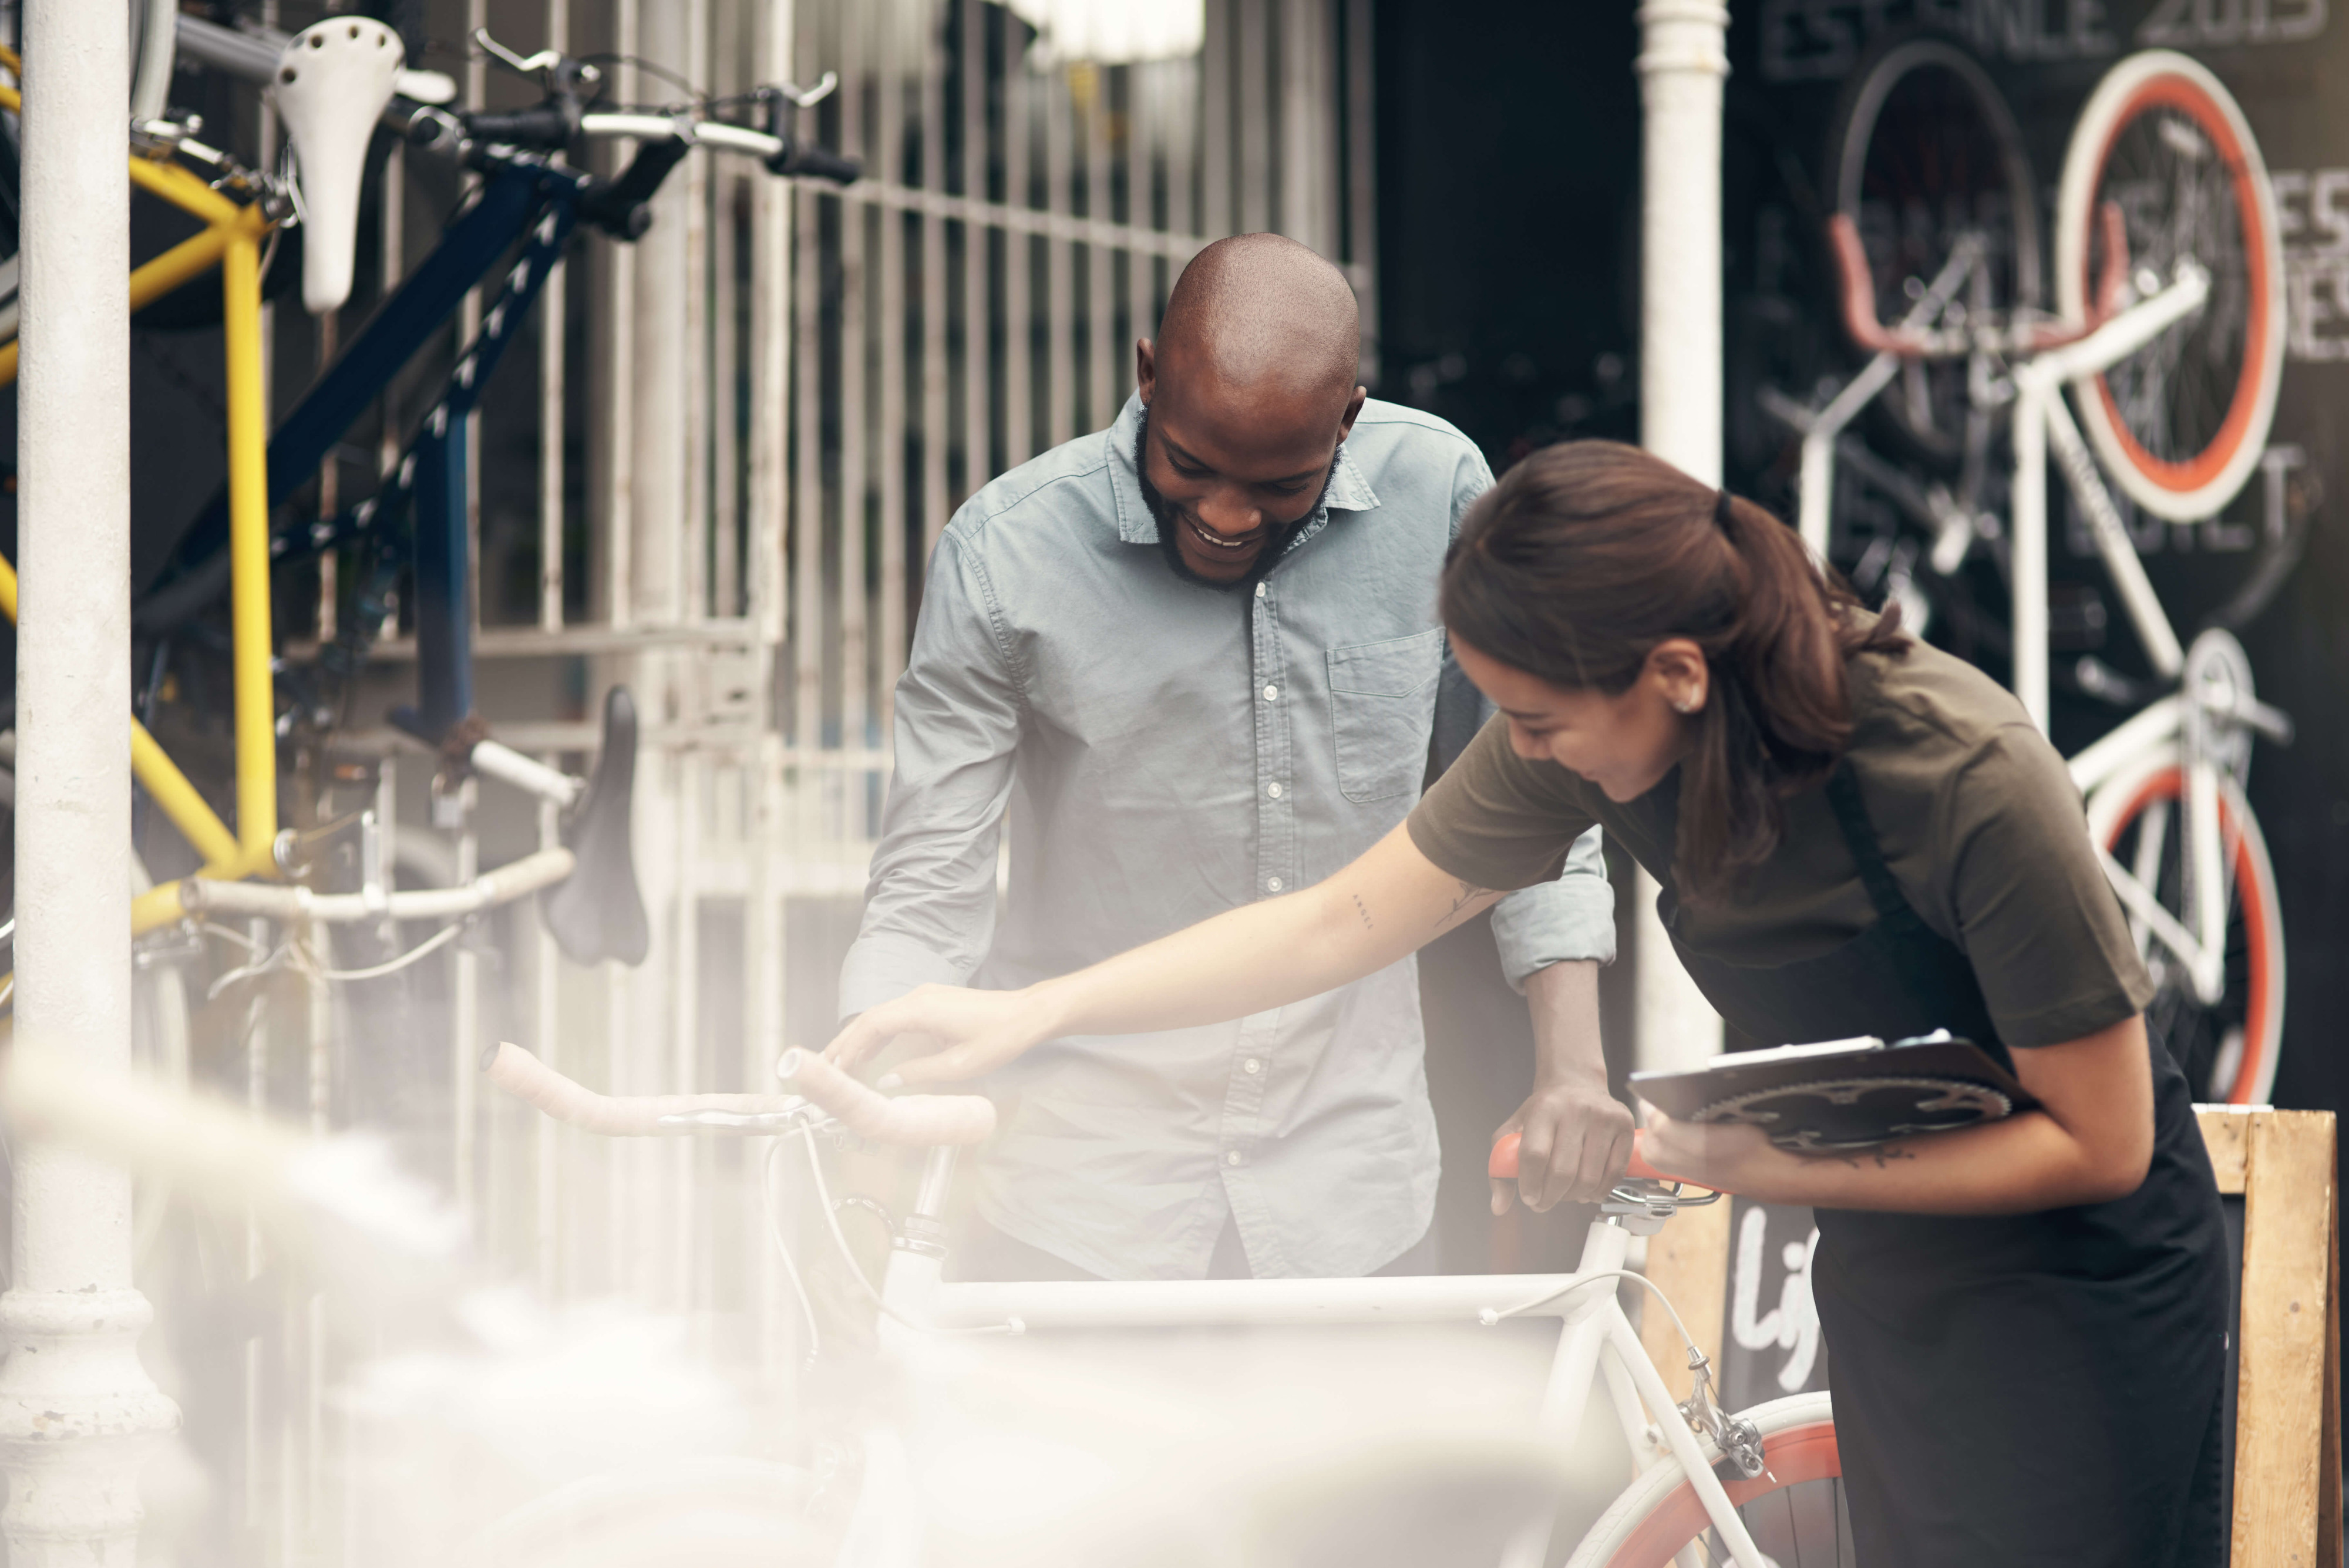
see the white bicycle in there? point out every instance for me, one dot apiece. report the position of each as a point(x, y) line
point(2169, 333)
point(1762, 1489)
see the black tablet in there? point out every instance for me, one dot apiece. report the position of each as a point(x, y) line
point(1843, 1093)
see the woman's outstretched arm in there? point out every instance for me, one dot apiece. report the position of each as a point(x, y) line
point(1386, 904)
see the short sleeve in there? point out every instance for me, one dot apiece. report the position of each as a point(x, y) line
point(1495, 820)
point(2034, 913)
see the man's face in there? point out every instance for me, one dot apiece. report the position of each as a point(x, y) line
point(1229, 476)
point(1191, 546)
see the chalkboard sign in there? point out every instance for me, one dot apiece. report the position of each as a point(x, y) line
point(1771, 1345)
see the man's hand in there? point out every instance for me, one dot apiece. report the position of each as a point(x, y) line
point(1576, 1136)
point(966, 1033)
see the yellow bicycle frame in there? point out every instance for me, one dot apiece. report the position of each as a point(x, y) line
point(232, 239)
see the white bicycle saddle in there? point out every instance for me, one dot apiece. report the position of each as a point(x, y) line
point(334, 80)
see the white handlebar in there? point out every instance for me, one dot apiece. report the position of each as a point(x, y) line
point(917, 1119)
point(526, 774)
point(921, 1120)
point(700, 132)
point(525, 1077)
point(200, 895)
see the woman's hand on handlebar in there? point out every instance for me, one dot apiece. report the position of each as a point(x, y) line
point(1575, 1139)
point(969, 1032)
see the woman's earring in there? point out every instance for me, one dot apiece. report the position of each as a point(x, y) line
point(1684, 704)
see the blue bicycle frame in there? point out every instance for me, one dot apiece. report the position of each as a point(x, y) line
point(525, 195)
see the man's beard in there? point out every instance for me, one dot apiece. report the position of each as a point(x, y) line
point(1168, 520)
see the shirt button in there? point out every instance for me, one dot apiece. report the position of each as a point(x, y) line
point(1232, 1157)
point(1273, 883)
point(1252, 1065)
point(1273, 790)
point(1259, 591)
point(1272, 693)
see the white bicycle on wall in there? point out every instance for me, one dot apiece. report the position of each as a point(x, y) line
point(2169, 332)
point(1759, 1489)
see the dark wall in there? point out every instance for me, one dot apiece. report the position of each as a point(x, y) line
point(1508, 137)
point(1508, 190)
point(1508, 154)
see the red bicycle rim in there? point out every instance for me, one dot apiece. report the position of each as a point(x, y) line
point(2187, 99)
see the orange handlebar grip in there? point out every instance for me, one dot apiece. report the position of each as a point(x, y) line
point(1502, 1164)
point(1639, 1166)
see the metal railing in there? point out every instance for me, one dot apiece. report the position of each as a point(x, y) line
point(741, 436)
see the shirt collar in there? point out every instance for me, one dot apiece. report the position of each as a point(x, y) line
point(1348, 489)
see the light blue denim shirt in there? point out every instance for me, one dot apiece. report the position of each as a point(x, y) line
point(1162, 752)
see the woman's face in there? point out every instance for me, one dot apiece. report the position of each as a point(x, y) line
point(1624, 743)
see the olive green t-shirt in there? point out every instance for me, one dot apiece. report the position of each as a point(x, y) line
point(1972, 808)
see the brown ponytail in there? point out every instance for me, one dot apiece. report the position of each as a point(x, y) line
point(1588, 554)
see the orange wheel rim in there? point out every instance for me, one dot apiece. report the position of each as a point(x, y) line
point(1796, 1455)
point(2184, 477)
point(2168, 784)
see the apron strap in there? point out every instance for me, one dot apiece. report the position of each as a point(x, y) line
point(1859, 835)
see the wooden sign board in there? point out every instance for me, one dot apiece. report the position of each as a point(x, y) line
point(1730, 1266)
point(2287, 1449)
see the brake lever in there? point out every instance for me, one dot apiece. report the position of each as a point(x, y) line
point(807, 97)
point(556, 72)
point(544, 61)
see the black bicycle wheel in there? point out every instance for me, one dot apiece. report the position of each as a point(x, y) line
point(1925, 150)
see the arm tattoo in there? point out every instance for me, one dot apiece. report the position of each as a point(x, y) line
point(1364, 910)
point(1469, 894)
point(1882, 1155)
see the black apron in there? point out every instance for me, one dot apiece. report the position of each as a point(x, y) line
point(2039, 1389)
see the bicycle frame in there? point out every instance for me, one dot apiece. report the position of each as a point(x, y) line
point(231, 240)
point(524, 196)
point(1596, 1342)
point(2040, 418)
point(263, 472)
point(2175, 725)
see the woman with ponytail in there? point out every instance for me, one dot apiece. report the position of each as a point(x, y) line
point(1854, 834)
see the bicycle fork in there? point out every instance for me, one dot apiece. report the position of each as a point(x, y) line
point(886, 1529)
point(1650, 1420)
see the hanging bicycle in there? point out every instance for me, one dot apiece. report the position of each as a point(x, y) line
point(2168, 332)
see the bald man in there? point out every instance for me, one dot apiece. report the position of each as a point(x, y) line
point(1191, 662)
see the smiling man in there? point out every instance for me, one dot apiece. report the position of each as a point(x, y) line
point(1193, 662)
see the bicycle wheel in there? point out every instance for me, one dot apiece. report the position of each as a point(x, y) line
point(1795, 1508)
point(1925, 150)
point(2180, 423)
point(2228, 1053)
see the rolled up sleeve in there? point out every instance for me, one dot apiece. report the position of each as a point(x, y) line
point(929, 900)
point(1558, 922)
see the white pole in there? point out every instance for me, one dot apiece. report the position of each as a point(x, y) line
point(77, 1409)
point(1683, 61)
point(2029, 563)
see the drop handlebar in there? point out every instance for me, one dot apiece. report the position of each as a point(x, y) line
point(917, 1120)
point(205, 895)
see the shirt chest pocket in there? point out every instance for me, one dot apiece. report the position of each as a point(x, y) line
point(1382, 702)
